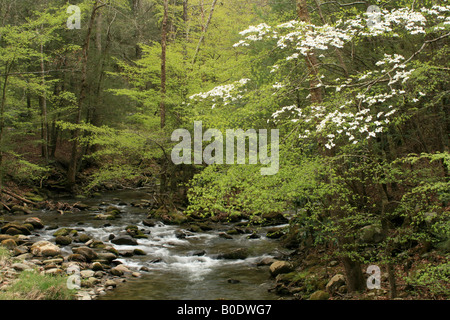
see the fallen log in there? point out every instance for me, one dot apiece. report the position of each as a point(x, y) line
point(12, 194)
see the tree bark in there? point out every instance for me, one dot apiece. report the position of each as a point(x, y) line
point(8, 67)
point(311, 58)
point(354, 275)
point(162, 106)
point(43, 105)
point(202, 38)
point(73, 164)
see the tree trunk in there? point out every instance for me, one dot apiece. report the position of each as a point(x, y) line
point(311, 58)
point(2, 120)
point(73, 164)
point(354, 275)
point(202, 38)
point(43, 105)
point(162, 105)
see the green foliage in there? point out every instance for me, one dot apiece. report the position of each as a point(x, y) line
point(432, 278)
point(32, 285)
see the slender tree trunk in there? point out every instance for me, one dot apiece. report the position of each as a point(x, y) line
point(2, 121)
point(73, 164)
point(43, 105)
point(162, 105)
point(311, 58)
point(202, 38)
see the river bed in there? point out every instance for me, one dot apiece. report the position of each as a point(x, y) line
point(174, 267)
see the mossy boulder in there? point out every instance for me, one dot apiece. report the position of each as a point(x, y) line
point(88, 253)
point(65, 232)
point(168, 217)
point(320, 295)
point(13, 229)
point(63, 240)
point(20, 210)
point(9, 244)
point(235, 254)
point(371, 234)
point(279, 267)
point(36, 222)
point(134, 232)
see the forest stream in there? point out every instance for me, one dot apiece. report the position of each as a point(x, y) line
point(178, 264)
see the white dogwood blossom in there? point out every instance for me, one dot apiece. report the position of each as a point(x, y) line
point(367, 99)
point(224, 93)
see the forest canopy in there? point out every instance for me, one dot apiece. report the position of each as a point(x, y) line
point(359, 91)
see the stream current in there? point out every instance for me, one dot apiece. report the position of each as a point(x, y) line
point(175, 268)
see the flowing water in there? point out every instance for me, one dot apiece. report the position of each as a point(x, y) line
point(176, 268)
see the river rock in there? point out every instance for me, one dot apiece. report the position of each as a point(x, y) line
point(107, 256)
point(105, 216)
point(65, 232)
point(20, 266)
point(20, 210)
point(76, 257)
point(125, 240)
point(87, 274)
point(149, 223)
point(110, 283)
point(139, 252)
point(335, 283)
point(134, 232)
point(88, 253)
point(5, 236)
point(63, 240)
point(113, 210)
point(83, 237)
point(54, 271)
point(122, 268)
point(235, 254)
point(279, 267)
point(35, 222)
point(54, 261)
point(20, 250)
point(45, 248)
point(225, 235)
point(266, 261)
point(275, 233)
point(9, 244)
point(116, 271)
point(97, 266)
point(81, 206)
point(15, 229)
